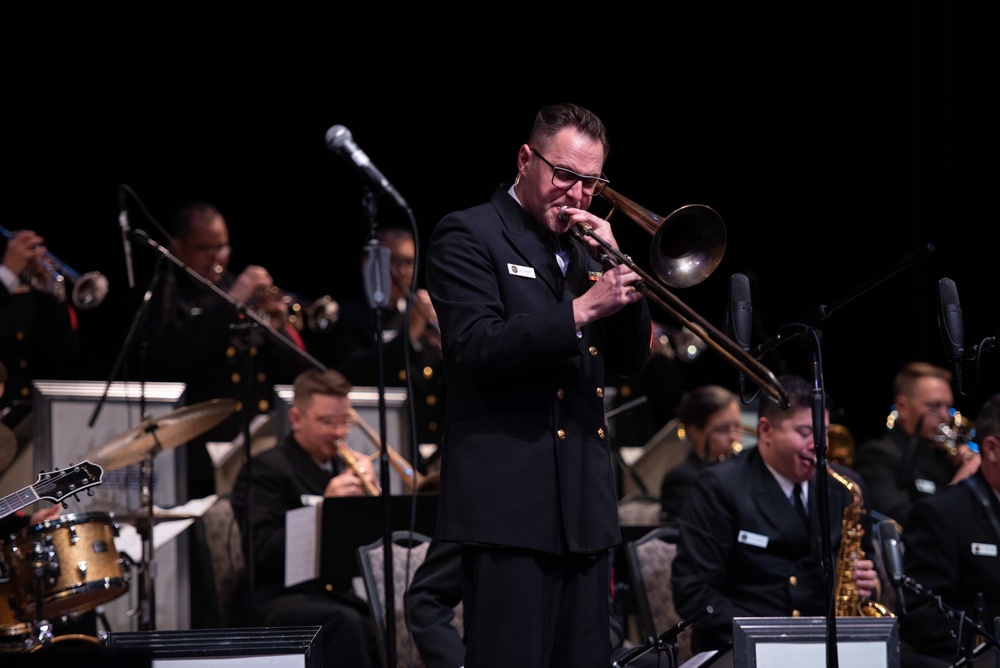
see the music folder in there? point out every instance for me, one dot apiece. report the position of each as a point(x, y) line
point(323, 540)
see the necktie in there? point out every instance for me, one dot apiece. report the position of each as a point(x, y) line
point(799, 506)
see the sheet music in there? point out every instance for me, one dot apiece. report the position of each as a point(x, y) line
point(302, 535)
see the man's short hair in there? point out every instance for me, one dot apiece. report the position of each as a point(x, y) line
point(313, 381)
point(907, 377)
point(186, 216)
point(800, 395)
point(552, 118)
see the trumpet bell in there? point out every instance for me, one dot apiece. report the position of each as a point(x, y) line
point(90, 290)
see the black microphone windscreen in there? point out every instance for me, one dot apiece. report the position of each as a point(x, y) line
point(740, 310)
point(950, 320)
point(892, 553)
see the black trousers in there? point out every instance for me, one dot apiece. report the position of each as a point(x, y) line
point(535, 610)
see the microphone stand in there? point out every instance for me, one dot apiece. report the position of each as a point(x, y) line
point(666, 642)
point(378, 290)
point(818, 410)
point(253, 321)
point(949, 613)
point(790, 332)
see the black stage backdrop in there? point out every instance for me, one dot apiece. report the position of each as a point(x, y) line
point(833, 141)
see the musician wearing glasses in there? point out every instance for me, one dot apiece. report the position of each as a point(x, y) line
point(952, 550)
point(909, 462)
point(306, 464)
point(529, 320)
point(193, 338)
point(711, 418)
point(38, 333)
point(350, 345)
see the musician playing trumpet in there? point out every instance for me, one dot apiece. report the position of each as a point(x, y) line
point(306, 464)
point(907, 462)
point(196, 335)
point(38, 333)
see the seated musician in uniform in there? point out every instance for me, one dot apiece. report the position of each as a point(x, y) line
point(951, 541)
point(711, 418)
point(749, 529)
point(307, 463)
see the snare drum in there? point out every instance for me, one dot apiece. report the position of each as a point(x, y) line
point(81, 568)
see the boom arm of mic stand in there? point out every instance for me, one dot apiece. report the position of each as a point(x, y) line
point(145, 239)
point(665, 638)
point(949, 611)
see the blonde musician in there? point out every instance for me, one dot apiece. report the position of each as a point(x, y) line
point(908, 463)
point(307, 463)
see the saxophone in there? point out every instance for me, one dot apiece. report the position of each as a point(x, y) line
point(846, 599)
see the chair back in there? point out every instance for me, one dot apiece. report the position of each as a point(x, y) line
point(650, 561)
point(408, 551)
point(218, 533)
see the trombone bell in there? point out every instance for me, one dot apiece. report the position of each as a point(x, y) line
point(688, 244)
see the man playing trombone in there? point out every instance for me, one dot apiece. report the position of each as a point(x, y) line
point(529, 319)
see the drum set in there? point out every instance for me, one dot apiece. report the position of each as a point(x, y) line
point(61, 568)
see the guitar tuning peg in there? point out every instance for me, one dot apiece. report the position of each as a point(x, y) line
point(65, 505)
point(90, 491)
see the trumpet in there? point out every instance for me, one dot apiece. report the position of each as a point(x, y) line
point(318, 316)
point(955, 433)
point(88, 291)
point(358, 468)
point(687, 247)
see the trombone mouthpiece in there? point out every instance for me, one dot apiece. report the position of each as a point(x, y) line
point(563, 216)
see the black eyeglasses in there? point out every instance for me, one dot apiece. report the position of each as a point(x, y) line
point(567, 178)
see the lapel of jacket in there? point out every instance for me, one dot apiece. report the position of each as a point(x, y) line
point(312, 477)
point(524, 235)
point(773, 504)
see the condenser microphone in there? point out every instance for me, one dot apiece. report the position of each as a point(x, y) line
point(126, 241)
point(892, 555)
point(951, 325)
point(740, 315)
point(339, 140)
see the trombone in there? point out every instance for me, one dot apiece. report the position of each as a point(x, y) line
point(687, 247)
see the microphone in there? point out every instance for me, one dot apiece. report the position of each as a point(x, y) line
point(951, 325)
point(892, 555)
point(740, 315)
point(376, 276)
point(126, 242)
point(339, 140)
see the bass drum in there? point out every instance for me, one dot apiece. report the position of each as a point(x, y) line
point(82, 569)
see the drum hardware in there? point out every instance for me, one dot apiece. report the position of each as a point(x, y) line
point(140, 445)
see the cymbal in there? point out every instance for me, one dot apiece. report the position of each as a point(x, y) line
point(160, 433)
point(8, 446)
